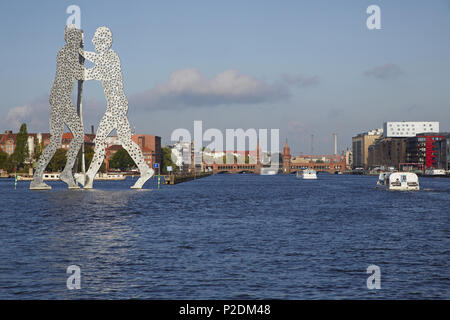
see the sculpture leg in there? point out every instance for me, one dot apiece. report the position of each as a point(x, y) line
point(104, 129)
point(75, 125)
point(56, 131)
point(124, 135)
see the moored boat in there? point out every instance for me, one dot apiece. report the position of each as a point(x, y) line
point(268, 171)
point(399, 181)
point(435, 172)
point(307, 174)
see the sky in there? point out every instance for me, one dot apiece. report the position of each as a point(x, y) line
point(304, 67)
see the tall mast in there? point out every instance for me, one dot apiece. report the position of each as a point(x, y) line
point(80, 106)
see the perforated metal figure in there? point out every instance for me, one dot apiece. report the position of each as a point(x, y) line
point(62, 111)
point(108, 70)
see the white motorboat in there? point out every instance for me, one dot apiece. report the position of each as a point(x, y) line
point(55, 176)
point(46, 176)
point(307, 174)
point(269, 171)
point(435, 172)
point(105, 176)
point(110, 176)
point(399, 181)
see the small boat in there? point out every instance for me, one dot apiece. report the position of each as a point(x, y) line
point(307, 174)
point(55, 176)
point(399, 181)
point(268, 171)
point(110, 176)
point(435, 172)
point(46, 176)
point(106, 176)
point(382, 178)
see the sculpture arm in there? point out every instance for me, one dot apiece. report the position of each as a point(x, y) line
point(88, 55)
point(91, 74)
point(79, 73)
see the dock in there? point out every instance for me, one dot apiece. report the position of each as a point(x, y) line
point(177, 178)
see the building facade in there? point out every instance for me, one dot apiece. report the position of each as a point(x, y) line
point(404, 129)
point(443, 152)
point(423, 150)
point(348, 158)
point(8, 142)
point(360, 147)
point(387, 152)
point(181, 153)
point(150, 146)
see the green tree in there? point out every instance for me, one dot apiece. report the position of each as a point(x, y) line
point(39, 147)
point(121, 160)
point(3, 160)
point(88, 156)
point(20, 153)
point(58, 161)
point(167, 160)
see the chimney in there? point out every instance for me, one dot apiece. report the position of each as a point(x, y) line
point(335, 143)
point(141, 142)
point(92, 129)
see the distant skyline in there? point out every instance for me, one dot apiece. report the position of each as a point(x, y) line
point(305, 67)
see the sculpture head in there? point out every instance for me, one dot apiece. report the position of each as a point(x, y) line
point(72, 35)
point(102, 39)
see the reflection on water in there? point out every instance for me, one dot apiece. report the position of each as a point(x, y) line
point(226, 236)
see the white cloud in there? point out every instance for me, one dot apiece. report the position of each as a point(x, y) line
point(190, 88)
point(32, 114)
point(36, 115)
point(186, 88)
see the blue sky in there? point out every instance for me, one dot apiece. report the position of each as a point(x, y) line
point(306, 67)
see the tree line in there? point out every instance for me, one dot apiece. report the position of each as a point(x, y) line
point(21, 161)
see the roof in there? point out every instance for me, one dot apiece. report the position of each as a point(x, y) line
point(146, 150)
point(114, 147)
point(6, 136)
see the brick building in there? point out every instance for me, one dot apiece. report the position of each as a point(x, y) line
point(329, 163)
point(149, 144)
point(8, 142)
point(68, 136)
point(387, 152)
point(423, 149)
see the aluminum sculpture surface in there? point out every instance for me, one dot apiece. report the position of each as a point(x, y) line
point(62, 111)
point(108, 70)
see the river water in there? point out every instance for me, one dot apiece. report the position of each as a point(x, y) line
point(226, 237)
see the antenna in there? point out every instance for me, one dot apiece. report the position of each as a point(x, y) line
point(312, 144)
